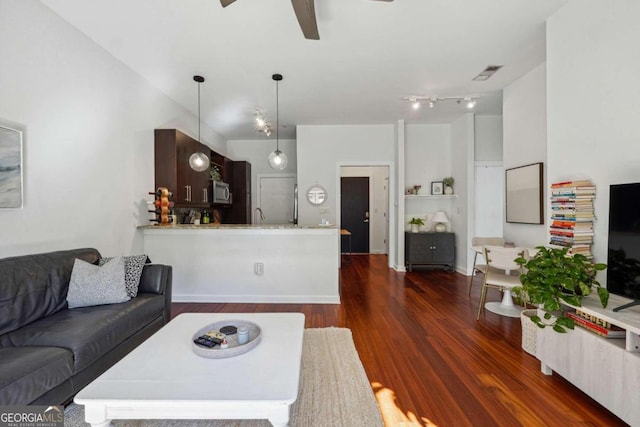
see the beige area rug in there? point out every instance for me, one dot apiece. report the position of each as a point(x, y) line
point(334, 390)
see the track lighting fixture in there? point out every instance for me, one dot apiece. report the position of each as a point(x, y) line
point(262, 124)
point(415, 101)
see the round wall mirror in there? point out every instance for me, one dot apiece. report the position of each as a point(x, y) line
point(316, 195)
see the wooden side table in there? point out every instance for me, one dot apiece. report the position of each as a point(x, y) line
point(347, 233)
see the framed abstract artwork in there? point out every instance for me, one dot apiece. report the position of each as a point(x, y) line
point(11, 185)
point(524, 194)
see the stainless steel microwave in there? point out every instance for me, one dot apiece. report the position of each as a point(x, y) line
point(221, 193)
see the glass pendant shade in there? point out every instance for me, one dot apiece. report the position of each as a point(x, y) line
point(199, 162)
point(278, 160)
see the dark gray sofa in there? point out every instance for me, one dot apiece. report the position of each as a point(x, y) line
point(48, 352)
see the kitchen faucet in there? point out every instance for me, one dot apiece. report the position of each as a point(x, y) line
point(261, 216)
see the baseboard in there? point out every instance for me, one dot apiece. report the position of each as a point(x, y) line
point(258, 299)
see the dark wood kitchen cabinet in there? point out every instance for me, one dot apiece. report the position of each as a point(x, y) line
point(240, 210)
point(432, 249)
point(172, 149)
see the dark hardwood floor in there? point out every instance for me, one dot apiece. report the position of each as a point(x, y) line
point(428, 359)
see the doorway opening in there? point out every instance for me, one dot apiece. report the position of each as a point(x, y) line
point(364, 207)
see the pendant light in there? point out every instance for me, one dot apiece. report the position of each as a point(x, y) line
point(277, 159)
point(199, 161)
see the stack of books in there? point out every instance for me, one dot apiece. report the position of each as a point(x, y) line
point(572, 216)
point(596, 325)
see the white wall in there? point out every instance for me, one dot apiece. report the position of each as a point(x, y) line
point(378, 203)
point(88, 147)
point(594, 99)
point(256, 152)
point(462, 169)
point(322, 150)
point(427, 159)
point(488, 144)
point(525, 142)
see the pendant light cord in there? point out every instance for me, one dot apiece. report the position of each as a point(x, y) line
point(199, 140)
point(277, 117)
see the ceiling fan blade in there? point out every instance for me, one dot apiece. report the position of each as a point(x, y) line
point(306, 14)
point(226, 3)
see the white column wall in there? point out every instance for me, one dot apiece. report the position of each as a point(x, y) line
point(462, 169)
point(594, 100)
point(88, 144)
point(525, 142)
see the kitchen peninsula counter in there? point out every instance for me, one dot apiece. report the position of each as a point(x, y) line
point(248, 263)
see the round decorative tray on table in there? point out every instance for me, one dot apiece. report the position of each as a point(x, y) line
point(234, 349)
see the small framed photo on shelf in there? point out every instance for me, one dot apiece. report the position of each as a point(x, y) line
point(437, 188)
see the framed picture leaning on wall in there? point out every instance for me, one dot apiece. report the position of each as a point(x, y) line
point(524, 194)
point(10, 167)
point(437, 188)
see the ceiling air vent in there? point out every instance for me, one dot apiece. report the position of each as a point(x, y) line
point(487, 72)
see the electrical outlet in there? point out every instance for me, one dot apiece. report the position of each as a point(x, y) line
point(258, 268)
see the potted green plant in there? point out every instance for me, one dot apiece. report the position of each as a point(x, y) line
point(415, 224)
point(448, 184)
point(552, 277)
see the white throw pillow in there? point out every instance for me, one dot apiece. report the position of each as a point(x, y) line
point(94, 285)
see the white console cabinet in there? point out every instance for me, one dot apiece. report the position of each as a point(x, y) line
point(608, 370)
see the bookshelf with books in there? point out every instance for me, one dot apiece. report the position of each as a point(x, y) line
point(572, 216)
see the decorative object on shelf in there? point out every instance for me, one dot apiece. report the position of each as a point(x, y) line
point(215, 173)
point(524, 194)
point(437, 188)
point(416, 223)
point(416, 189)
point(199, 161)
point(572, 216)
point(448, 185)
point(316, 195)
point(162, 206)
point(440, 219)
point(11, 168)
point(411, 191)
point(277, 159)
point(552, 278)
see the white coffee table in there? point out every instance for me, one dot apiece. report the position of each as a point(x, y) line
point(164, 379)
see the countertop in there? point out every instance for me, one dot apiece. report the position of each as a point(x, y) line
point(236, 226)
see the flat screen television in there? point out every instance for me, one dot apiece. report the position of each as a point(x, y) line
point(623, 259)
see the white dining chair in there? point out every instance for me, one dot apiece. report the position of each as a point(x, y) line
point(477, 245)
point(502, 273)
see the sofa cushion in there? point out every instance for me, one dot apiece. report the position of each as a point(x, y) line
point(27, 373)
point(94, 285)
point(133, 266)
point(35, 286)
point(89, 332)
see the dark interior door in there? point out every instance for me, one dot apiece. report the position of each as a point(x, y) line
point(354, 211)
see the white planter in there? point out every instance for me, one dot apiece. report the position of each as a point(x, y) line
point(415, 228)
point(448, 190)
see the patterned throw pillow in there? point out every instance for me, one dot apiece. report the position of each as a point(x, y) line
point(94, 285)
point(133, 266)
